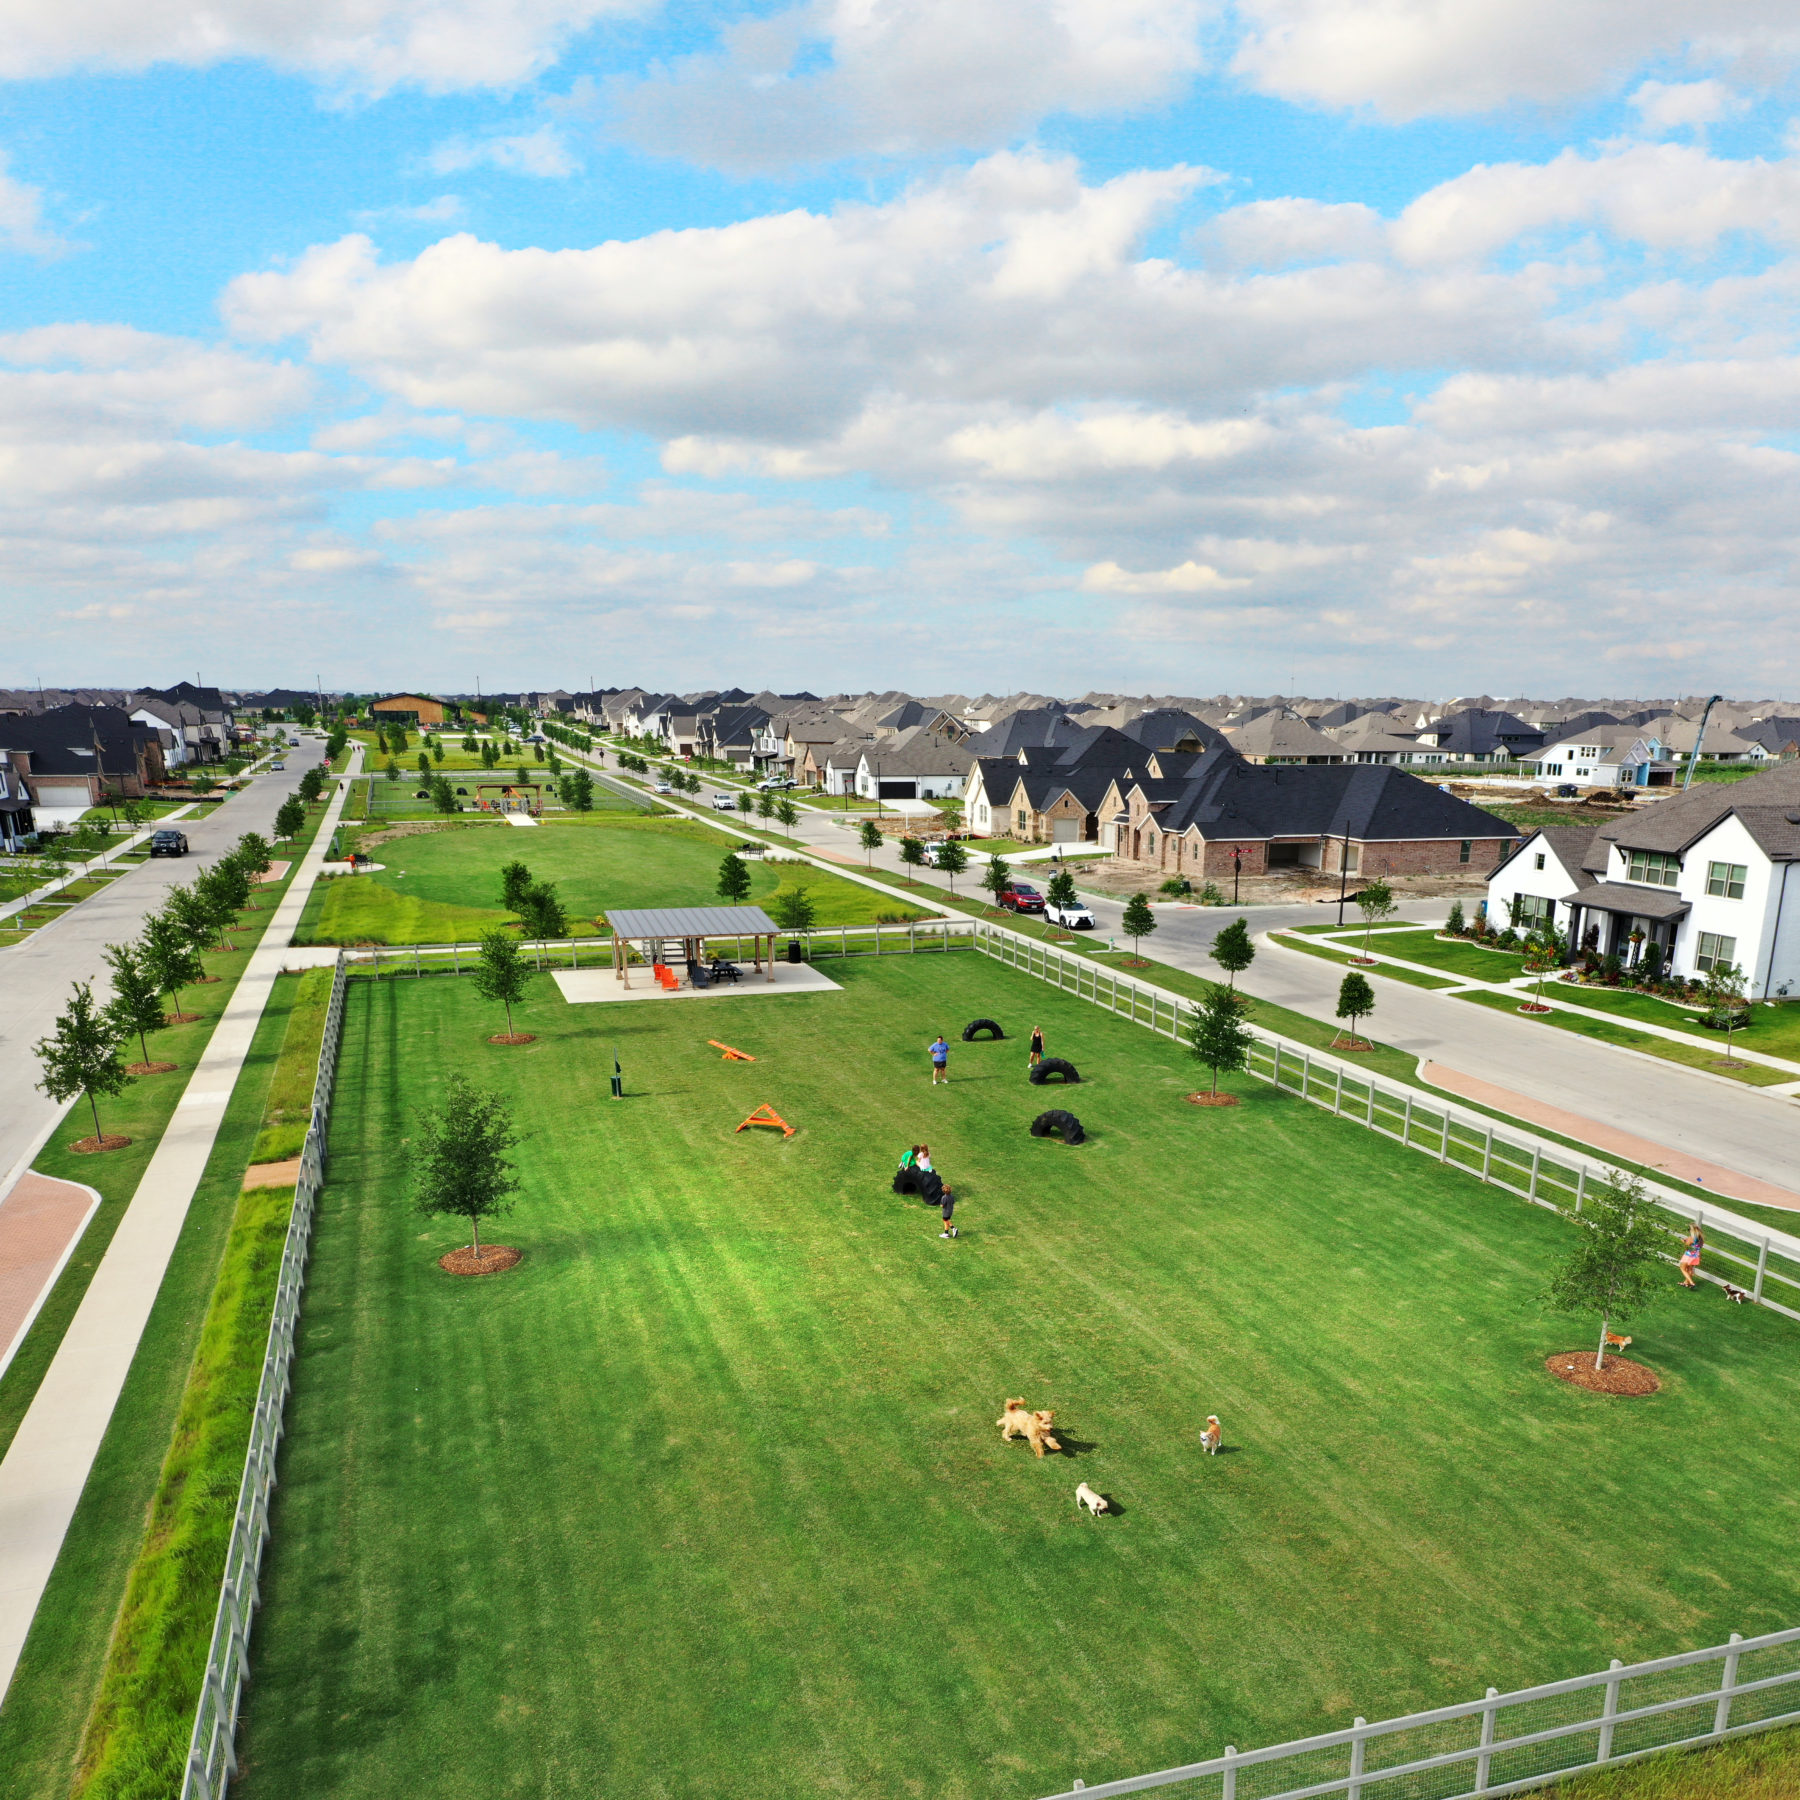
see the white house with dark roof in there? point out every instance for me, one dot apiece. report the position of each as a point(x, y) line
point(1605, 756)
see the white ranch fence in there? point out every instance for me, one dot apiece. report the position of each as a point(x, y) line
point(1505, 1743)
point(212, 1760)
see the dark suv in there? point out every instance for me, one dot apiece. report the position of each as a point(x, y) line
point(168, 843)
point(1021, 897)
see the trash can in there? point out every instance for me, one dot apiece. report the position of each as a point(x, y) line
point(794, 955)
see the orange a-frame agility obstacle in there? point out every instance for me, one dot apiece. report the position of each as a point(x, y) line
point(731, 1055)
point(767, 1115)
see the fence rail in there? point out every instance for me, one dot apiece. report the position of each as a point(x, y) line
point(1505, 1743)
point(212, 1760)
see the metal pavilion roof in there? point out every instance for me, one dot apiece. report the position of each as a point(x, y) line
point(691, 922)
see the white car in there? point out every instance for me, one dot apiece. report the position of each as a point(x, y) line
point(665, 787)
point(724, 803)
point(1070, 918)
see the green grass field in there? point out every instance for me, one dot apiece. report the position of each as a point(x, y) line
point(444, 886)
point(1335, 953)
point(707, 1498)
point(1474, 960)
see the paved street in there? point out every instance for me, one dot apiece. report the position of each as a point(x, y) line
point(35, 975)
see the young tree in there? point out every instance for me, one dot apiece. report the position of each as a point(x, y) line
point(734, 879)
point(171, 959)
point(312, 784)
point(543, 914)
point(912, 855)
point(391, 769)
point(425, 764)
point(219, 892)
point(952, 813)
point(746, 803)
point(788, 813)
point(134, 812)
point(1061, 891)
point(136, 1005)
point(490, 756)
point(868, 834)
point(515, 884)
point(82, 1057)
point(1375, 903)
point(794, 911)
point(290, 817)
point(1233, 951)
point(443, 796)
point(1218, 1036)
point(1356, 1000)
point(501, 973)
point(251, 853)
point(1138, 923)
point(996, 877)
point(89, 840)
point(1455, 925)
point(53, 856)
point(203, 784)
point(1611, 1268)
point(539, 748)
point(581, 791)
point(765, 806)
point(952, 858)
point(187, 907)
point(1725, 1000)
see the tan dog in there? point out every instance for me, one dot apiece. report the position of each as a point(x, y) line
point(1034, 1427)
point(1095, 1503)
point(1212, 1436)
point(1615, 1342)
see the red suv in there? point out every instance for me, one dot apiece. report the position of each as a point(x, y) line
point(1021, 897)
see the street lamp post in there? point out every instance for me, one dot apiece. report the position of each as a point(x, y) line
point(1237, 860)
point(1343, 876)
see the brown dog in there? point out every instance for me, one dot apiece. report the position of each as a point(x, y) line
point(1034, 1427)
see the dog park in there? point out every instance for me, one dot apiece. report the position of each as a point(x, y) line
point(705, 1494)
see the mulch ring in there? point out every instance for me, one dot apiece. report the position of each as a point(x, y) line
point(514, 1037)
point(1618, 1375)
point(151, 1068)
point(1363, 962)
point(179, 1018)
point(1531, 1006)
point(1214, 1100)
point(1361, 1047)
point(89, 1146)
point(490, 1259)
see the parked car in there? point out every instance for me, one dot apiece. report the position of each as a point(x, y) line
point(275, 768)
point(1021, 897)
point(777, 781)
point(1074, 917)
point(724, 802)
point(168, 843)
point(665, 787)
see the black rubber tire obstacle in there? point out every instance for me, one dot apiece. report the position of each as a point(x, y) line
point(928, 1184)
point(975, 1025)
point(1058, 1120)
point(1052, 1065)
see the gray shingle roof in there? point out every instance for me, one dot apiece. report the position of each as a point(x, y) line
point(690, 921)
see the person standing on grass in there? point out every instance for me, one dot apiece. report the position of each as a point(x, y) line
point(940, 1060)
point(949, 1207)
point(1037, 1046)
point(1692, 1247)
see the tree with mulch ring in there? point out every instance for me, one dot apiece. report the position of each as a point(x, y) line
point(136, 1007)
point(1375, 902)
point(1356, 1000)
point(1612, 1266)
point(1219, 1039)
point(1616, 1375)
point(172, 961)
point(1138, 923)
point(82, 1057)
point(502, 974)
point(461, 1166)
point(1535, 1006)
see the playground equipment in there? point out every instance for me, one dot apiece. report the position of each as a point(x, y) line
point(1039, 1073)
point(1058, 1120)
point(928, 1184)
point(730, 1055)
point(767, 1115)
point(975, 1025)
point(666, 976)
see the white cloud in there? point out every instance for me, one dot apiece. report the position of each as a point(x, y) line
point(1273, 234)
point(835, 78)
point(1673, 106)
point(1189, 577)
point(542, 152)
point(359, 46)
point(1408, 59)
point(22, 217)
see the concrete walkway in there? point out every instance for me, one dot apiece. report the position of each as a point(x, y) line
point(47, 1465)
point(41, 1222)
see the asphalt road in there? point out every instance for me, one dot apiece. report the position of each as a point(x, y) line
point(35, 976)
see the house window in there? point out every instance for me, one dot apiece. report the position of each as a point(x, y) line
point(1533, 908)
point(1588, 750)
point(1022, 822)
point(1464, 853)
point(1653, 868)
point(1537, 862)
point(1725, 881)
point(1715, 951)
point(1149, 843)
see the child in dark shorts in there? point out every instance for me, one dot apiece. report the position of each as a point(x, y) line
point(949, 1230)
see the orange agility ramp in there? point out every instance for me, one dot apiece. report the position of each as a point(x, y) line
point(731, 1055)
point(767, 1115)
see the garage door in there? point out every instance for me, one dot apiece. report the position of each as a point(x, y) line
point(898, 790)
point(1065, 831)
point(61, 793)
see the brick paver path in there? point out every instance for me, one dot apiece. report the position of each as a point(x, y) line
point(39, 1222)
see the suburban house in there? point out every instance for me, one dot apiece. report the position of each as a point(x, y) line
point(1377, 738)
point(1721, 744)
point(408, 709)
point(1359, 820)
point(1606, 756)
point(16, 822)
point(732, 733)
point(1283, 737)
point(1704, 875)
point(1477, 734)
point(915, 765)
point(74, 757)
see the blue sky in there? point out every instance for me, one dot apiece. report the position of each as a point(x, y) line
point(1353, 345)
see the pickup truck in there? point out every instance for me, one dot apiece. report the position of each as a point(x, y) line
point(1021, 897)
point(168, 843)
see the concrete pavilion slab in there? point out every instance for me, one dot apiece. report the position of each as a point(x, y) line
point(581, 987)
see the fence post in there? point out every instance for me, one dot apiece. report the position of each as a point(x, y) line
point(416, 971)
point(1607, 1713)
point(1337, 1099)
point(1487, 1738)
point(1487, 1154)
point(1354, 1790)
point(1305, 1074)
point(1228, 1784)
point(1537, 1156)
point(1444, 1141)
point(1580, 1186)
point(1406, 1122)
point(1762, 1262)
point(1722, 1717)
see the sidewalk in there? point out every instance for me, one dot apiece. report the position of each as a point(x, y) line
point(47, 1465)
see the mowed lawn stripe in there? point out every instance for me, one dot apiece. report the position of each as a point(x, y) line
point(707, 1495)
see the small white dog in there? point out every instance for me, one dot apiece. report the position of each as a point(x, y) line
point(1095, 1503)
point(1212, 1436)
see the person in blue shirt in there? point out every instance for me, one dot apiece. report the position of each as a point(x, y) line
point(940, 1060)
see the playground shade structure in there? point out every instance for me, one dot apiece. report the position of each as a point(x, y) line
point(653, 927)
